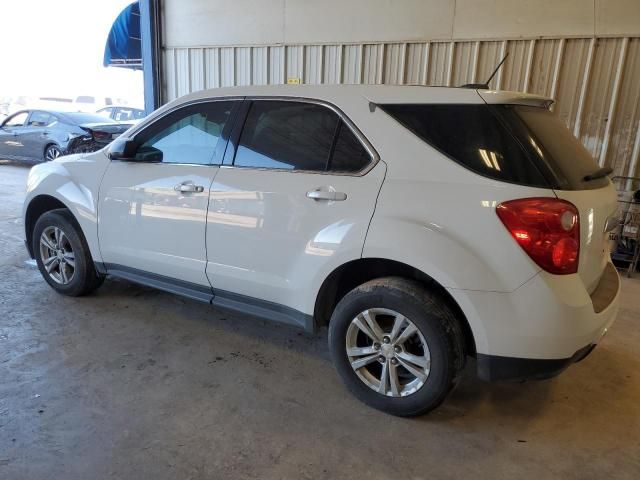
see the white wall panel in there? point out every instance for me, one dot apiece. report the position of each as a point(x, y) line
point(417, 63)
point(277, 65)
point(313, 60)
point(197, 23)
point(438, 63)
point(260, 61)
point(352, 57)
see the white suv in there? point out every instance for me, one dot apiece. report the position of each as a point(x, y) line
point(421, 225)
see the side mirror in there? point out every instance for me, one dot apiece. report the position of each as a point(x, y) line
point(122, 149)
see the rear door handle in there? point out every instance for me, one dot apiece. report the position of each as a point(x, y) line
point(326, 195)
point(188, 187)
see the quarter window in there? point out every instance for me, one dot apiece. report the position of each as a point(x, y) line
point(189, 135)
point(473, 136)
point(287, 135)
point(349, 155)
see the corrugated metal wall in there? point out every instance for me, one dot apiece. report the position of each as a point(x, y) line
point(595, 81)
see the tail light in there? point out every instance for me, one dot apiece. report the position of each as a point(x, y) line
point(99, 136)
point(547, 229)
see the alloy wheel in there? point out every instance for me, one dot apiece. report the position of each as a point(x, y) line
point(388, 352)
point(52, 153)
point(57, 255)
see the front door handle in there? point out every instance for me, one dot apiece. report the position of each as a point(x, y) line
point(188, 187)
point(319, 194)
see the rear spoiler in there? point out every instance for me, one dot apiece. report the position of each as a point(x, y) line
point(514, 98)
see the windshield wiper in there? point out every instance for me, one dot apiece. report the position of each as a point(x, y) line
point(601, 172)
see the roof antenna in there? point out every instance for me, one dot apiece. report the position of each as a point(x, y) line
point(485, 85)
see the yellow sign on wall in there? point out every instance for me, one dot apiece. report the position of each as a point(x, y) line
point(293, 81)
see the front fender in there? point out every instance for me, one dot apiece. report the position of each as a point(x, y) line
point(74, 181)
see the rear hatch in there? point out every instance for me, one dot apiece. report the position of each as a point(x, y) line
point(571, 169)
point(514, 138)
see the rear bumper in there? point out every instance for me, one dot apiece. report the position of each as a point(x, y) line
point(494, 368)
point(542, 327)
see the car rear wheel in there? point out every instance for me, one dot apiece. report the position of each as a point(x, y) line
point(397, 346)
point(52, 152)
point(62, 254)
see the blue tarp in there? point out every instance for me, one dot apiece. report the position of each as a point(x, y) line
point(123, 47)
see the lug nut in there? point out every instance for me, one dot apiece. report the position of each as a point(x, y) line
point(376, 346)
point(394, 361)
point(386, 340)
point(397, 349)
point(381, 359)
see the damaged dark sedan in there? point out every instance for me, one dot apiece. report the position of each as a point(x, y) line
point(44, 135)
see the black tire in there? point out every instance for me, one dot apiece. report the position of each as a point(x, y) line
point(51, 152)
point(434, 319)
point(84, 279)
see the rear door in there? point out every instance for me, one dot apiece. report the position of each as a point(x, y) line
point(292, 203)
point(35, 136)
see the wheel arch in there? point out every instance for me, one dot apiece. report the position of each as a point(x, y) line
point(356, 272)
point(47, 145)
point(38, 206)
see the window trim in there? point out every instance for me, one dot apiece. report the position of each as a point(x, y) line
point(229, 159)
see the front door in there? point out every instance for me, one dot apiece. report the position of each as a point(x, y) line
point(11, 144)
point(295, 204)
point(152, 212)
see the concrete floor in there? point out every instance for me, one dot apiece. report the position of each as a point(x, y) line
point(133, 383)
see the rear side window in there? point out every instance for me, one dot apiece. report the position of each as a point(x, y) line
point(40, 119)
point(287, 135)
point(473, 136)
point(294, 135)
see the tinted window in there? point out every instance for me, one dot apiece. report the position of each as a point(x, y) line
point(17, 120)
point(548, 139)
point(349, 155)
point(287, 135)
point(189, 135)
point(472, 136)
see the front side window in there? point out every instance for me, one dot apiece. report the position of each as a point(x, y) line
point(189, 135)
point(17, 120)
point(287, 135)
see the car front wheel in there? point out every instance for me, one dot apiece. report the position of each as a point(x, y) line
point(62, 254)
point(397, 346)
